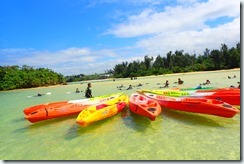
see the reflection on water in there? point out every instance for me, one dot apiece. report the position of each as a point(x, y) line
point(174, 135)
point(18, 120)
point(137, 122)
point(192, 118)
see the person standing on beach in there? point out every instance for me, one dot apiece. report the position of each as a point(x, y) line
point(88, 91)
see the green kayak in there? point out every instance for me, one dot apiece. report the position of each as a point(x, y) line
point(167, 92)
point(193, 89)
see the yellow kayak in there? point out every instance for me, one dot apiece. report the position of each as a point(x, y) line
point(120, 98)
point(103, 110)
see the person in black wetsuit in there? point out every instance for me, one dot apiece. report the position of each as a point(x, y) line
point(88, 91)
point(180, 81)
point(130, 87)
point(166, 84)
point(39, 94)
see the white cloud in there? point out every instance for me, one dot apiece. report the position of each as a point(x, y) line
point(183, 27)
point(74, 51)
point(49, 58)
point(191, 41)
point(66, 61)
point(175, 19)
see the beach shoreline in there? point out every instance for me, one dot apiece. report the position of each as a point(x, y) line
point(191, 73)
point(141, 77)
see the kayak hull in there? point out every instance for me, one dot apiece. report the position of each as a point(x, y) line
point(230, 98)
point(99, 112)
point(51, 112)
point(196, 105)
point(47, 105)
point(228, 95)
point(144, 106)
point(102, 111)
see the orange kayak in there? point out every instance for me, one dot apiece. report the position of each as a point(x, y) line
point(55, 111)
point(40, 106)
point(144, 106)
point(195, 105)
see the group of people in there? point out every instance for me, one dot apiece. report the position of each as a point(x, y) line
point(238, 86)
point(88, 92)
point(166, 85)
point(181, 82)
point(231, 77)
point(206, 83)
point(129, 87)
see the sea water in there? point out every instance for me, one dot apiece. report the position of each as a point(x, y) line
point(173, 135)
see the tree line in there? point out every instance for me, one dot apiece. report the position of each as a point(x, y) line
point(16, 77)
point(180, 62)
point(82, 77)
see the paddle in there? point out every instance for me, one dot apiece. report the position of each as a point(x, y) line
point(40, 94)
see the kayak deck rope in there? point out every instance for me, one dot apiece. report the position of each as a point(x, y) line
point(46, 112)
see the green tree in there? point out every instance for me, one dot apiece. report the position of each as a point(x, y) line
point(215, 56)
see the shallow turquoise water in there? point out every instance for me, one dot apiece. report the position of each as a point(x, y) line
point(126, 136)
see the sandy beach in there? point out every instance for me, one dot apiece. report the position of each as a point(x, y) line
point(108, 86)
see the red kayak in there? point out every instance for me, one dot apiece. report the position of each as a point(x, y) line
point(228, 90)
point(195, 105)
point(230, 98)
point(228, 95)
point(144, 106)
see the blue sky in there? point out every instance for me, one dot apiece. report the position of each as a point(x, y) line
point(91, 36)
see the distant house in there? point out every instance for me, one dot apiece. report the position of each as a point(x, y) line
point(104, 76)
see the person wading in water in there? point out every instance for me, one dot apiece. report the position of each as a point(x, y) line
point(88, 91)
